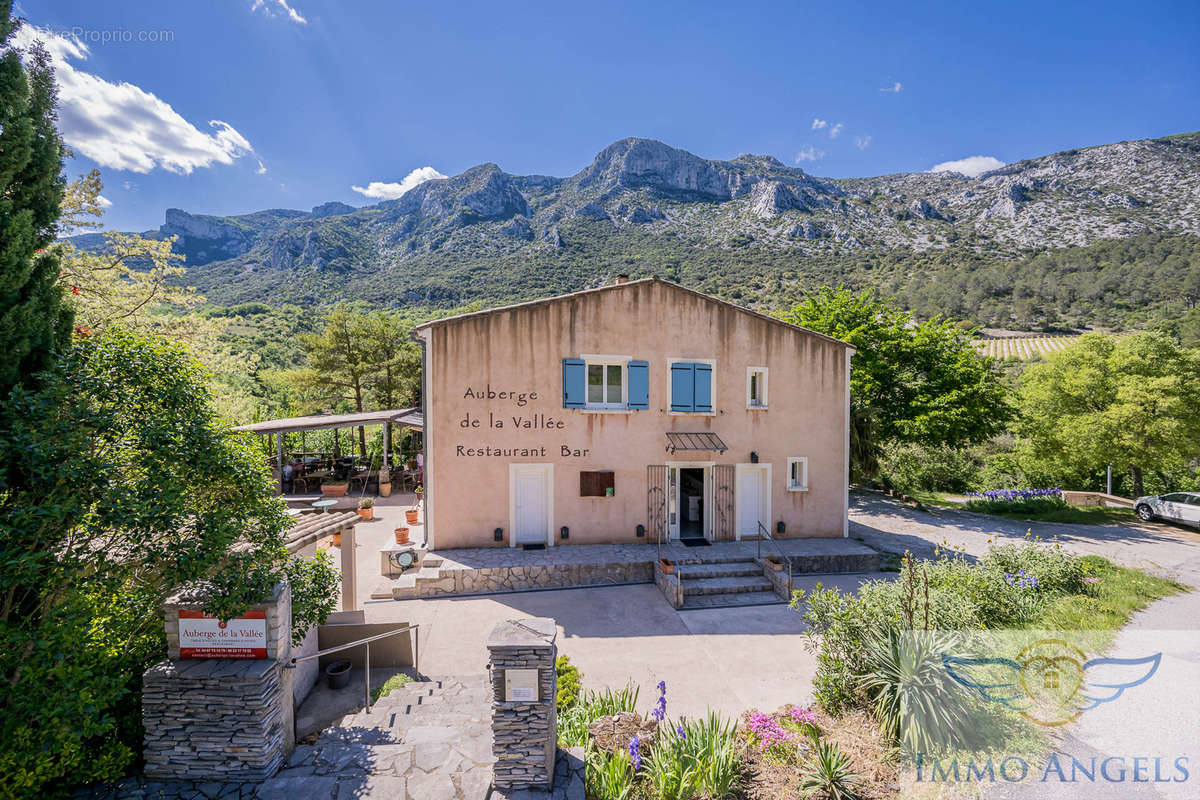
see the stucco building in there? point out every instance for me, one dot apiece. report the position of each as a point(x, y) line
point(630, 411)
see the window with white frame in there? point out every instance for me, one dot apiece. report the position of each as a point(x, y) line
point(605, 383)
point(797, 474)
point(756, 387)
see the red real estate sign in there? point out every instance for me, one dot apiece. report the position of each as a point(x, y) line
point(202, 636)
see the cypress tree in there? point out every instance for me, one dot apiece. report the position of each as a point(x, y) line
point(34, 321)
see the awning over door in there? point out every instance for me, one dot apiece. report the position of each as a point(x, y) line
point(694, 441)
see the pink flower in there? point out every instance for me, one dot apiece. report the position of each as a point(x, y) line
point(1091, 580)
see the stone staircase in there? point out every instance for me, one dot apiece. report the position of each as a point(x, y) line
point(430, 739)
point(726, 582)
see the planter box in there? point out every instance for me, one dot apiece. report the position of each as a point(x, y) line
point(666, 566)
point(334, 489)
point(775, 565)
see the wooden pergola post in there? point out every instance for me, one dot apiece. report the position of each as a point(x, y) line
point(279, 457)
point(387, 453)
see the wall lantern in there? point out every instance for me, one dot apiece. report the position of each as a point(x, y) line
point(641, 531)
point(498, 534)
point(753, 457)
point(780, 527)
point(565, 532)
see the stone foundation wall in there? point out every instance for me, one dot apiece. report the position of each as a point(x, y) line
point(524, 734)
point(669, 586)
point(778, 579)
point(548, 576)
point(214, 720)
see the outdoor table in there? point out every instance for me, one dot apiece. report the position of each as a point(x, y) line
point(293, 512)
point(323, 505)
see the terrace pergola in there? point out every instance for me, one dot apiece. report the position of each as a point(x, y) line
point(412, 418)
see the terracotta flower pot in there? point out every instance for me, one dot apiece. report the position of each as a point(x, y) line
point(410, 516)
point(401, 535)
point(385, 490)
point(337, 540)
point(666, 566)
point(334, 489)
point(367, 513)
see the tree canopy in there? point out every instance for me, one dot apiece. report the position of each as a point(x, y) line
point(1131, 401)
point(34, 322)
point(910, 382)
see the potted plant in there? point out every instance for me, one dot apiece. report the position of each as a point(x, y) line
point(366, 508)
point(385, 487)
point(402, 535)
point(666, 566)
point(335, 488)
point(774, 563)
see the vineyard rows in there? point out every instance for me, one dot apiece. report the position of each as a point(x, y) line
point(1024, 346)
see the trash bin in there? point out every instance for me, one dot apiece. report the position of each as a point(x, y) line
point(338, 674)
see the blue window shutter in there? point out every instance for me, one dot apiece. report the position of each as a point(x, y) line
point(574, 383)
point(703, 393)
point(682, 384)
point(639, 384)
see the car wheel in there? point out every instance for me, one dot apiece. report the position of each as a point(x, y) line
point(1145, 512)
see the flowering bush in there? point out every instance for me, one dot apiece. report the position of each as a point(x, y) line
point(1026, 501)
point(766, 734)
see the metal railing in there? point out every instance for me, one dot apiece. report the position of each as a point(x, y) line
point(763, 533)
point(366, 642)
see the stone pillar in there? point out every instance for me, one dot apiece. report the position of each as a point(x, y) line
point(220, 719)
point(521, 656)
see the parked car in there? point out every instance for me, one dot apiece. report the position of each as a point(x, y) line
point(1177, 507)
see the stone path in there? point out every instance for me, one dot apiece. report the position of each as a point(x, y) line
point(431, 740)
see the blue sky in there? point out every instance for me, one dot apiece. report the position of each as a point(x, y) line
point(233, 106)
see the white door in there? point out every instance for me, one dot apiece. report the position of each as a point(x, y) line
point(531, 504)
point(751, 491)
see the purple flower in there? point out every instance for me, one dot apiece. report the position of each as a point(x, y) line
point(680, 731)
point(635, 753)
point(1091, 580)
point(660, 708)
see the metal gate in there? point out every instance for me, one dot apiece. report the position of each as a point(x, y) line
point(656, 502)
point(723, 503)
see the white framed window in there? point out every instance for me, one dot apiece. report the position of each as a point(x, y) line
point(607, 382)
point(756, 388)
point(797, 474)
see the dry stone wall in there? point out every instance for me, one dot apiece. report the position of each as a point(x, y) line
point(524, 733)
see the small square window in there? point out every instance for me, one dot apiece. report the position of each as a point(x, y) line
point(756, 387)
point(797, 474)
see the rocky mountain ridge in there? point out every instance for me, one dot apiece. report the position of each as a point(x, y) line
point(753, 205)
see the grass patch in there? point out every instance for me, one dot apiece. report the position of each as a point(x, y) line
point(931, 498)
point(1111, 600)
point(397, 681)
point(1080, 515)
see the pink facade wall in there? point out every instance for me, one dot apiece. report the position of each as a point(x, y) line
point(519, 352)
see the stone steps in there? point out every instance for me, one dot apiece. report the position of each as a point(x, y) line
point(728, 569)
point(733, 585)
point(740, 600)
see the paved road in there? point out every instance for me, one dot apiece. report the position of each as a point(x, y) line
point(1157, 719)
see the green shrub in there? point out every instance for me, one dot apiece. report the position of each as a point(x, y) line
point(826, 772)
point(608, 776)
point(591, 706)
point(1057, 571)
point(911, 467)
point(568, 678)
point(916, 701)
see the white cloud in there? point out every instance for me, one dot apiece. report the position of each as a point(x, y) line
point(836, 130)
point(809, 153)
point(896, 87)
point(390, 191)
point(103, 201)
point(862, 142)
point(972, 167)
point(271, 7)
point(818, 124)
point(122, 126)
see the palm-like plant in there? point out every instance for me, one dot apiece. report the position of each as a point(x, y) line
point(916, 701)
point(826, 770)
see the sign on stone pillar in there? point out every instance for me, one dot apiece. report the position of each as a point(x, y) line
point(521, 655)
point(220, 707)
